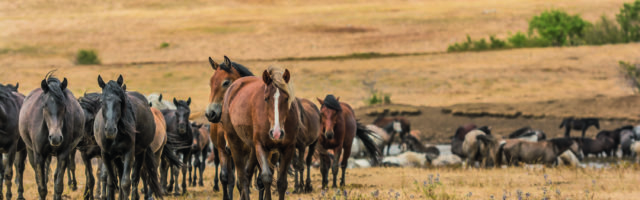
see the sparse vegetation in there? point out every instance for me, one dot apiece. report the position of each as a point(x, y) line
point(629, 21)
point(164, 45)
point(558, 27)
point(602, 32)
point(632, 72)
point(87, 57)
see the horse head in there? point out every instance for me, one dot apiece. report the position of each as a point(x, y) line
point(114, 105)
point(329, 112)
point(182, 114)
point(224, 74)
point(54, 107)
point(278, 98)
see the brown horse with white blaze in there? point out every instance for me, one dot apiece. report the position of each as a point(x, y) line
point(339, 127)
point(224, 74)
point(259, 116)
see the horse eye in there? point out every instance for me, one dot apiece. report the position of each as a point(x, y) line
point(226, 83)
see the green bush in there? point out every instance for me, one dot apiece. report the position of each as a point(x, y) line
point(379, 99)
point(164, 45)
point(558, 27)
point(604, 31)
point(629, 21)
point(520, 40)
point(497, 43)
point(478, 45)
point(465, 46)
point(87, 57)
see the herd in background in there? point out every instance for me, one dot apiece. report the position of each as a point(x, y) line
point(258, 126)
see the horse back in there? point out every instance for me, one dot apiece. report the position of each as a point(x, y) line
point(160, 137)
point(144, 120)
point(237, 111)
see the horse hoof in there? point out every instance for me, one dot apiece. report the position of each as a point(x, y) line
point(201, 184)
point(308, 189)
point(216, 188)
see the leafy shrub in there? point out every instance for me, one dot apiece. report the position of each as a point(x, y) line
point(164, 45)
point(520, 40)
point(379, 99)
point(629, 20)
point(632, 72)
point(87, 57)
point(465, 46)
point(497, 43)
point(558, 27)
point(478, 45)
point(604, 31)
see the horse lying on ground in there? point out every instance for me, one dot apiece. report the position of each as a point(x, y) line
point(543, 152)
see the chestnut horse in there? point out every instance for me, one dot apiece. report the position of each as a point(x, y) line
point(339, 127)
point(224, 74)
point(51, 124)
point(307, 137)
point(260, 116)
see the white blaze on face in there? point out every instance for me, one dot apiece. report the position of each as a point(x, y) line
point(276, 115)
point(397, 127)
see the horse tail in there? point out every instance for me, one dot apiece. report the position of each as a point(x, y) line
point(366, 136)
point(167, 152)
point(151, 173)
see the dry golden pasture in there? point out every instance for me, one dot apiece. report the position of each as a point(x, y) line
point(38, 36)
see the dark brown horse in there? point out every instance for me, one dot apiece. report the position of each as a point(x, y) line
point(224, 74)
point(10, 142)
point(339, 127)
point(393, 125)
point(124, 129)
point(582, 124)
point(51, 123)
point(259, 116)
point(458, 139)
point(200, 148)
point(88, 146)
point(307, 137)
point(180, 139)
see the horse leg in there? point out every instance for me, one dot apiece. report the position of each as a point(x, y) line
point(335, 165)
point(63, 160)
point(3, 171)
point(343, 164)
point(265, 171)
point(325, 162)
point(227, 178)
point(135, 175)
point(190, 169)
point(125, 180)
point(239, 158)
point(584, 130)
point(312, 149)
point(164, 169)
point(187, 159)
point(390, 142)
point(194, 166)
point(286, 156)
point(20, 165)
point(73, 183)
point(250, 169)
point(299, 168)
point(216, 164)
point(203, 165)
point(38, 162)
point(174, 179)
point(98, 182)
point(90, 181)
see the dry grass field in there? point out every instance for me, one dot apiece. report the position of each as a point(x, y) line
point(38, 36)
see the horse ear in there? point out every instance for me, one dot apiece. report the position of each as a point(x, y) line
point(338, 99)
point(175, 102)
point(124, 87)
point(120, 80)
point(17, 86)
point(44, 86)
point(160, 97)
point(214, 65)
point(227, 64)
point(320, 101)
point(286, 76)
point(150, 104)
point(189, 101)
point(101, 82)
point(266, 77)
point(63, 85)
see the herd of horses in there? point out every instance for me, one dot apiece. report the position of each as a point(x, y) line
point(258, 128)
point(526, 145)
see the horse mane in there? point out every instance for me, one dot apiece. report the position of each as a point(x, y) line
point(276, 75)
point(126, 124)
point(561, 142)
point(54, 87)
point(331, 102)
point(5, 92)
point(90, 102)
point(242, 70)
point(519, 132)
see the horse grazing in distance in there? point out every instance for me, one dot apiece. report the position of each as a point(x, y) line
point(260, 116)
point(339, 127)
point(200, 148)
point(393, 125)
point(10, 142)
point(224, 74)
point(458, 139)
point(543, 152)
point(51, 124)
point(596, 147)
point(578, 124)
point(124, 129)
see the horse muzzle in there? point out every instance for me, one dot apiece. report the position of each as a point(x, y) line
point(213, 112)
point(110, 132)
point(329, 135)
point(56, 139)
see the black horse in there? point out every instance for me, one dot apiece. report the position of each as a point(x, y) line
point(10, 142)
point(578, 124)
point(124, 129)
point(88, 146)
point(200, 151)
point(179, 138)
point(615, 136)
point(51, 124)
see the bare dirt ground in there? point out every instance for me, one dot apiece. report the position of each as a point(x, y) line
point(504, 89)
